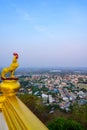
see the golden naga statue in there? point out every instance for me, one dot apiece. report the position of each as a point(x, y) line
point(11, 69)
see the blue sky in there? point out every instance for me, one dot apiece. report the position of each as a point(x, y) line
point(45, 33)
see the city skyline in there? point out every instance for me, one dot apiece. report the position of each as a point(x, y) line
point(45, 33)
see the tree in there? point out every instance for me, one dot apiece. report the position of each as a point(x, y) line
point(79, 113)
point(64, 124)
point(35, 105)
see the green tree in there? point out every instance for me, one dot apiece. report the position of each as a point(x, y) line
point(79, 113)
point(64, 124)
point(35, 105)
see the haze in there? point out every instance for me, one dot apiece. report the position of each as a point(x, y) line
point(45, 33)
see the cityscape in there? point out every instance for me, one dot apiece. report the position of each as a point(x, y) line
point(54, 94)
point(59, 87)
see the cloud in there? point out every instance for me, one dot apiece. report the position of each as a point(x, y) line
point(45, 30)
point(21, 12)
point(24, 14)
point(40, 28)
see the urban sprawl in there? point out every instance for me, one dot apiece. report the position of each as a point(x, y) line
point(55, 88)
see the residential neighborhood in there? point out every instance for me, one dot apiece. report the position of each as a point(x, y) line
point(56, 89)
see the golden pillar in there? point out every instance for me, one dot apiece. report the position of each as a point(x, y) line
point(16, 114)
